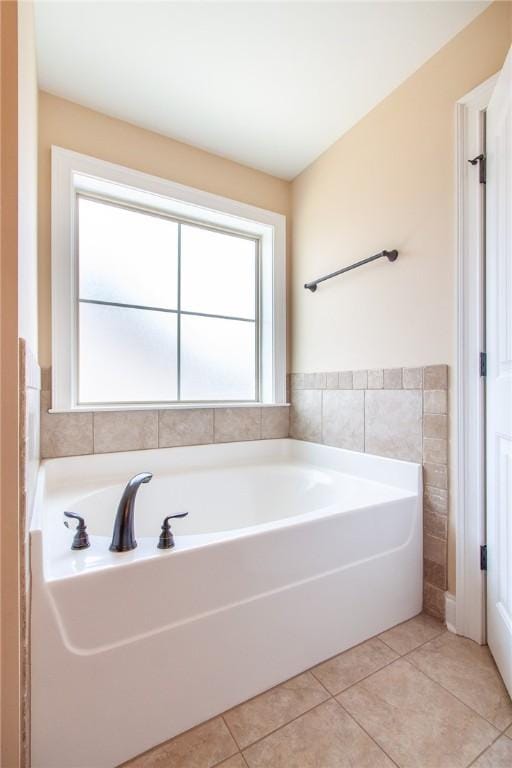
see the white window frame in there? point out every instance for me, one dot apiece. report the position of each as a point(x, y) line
point(74, 173)
point(470, 599)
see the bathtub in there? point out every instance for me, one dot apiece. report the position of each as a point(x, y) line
point(291, 553)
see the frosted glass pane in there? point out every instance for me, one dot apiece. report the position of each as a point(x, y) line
point(218, 273)
point(126, 256)
point(126, 355)
point(217, 359)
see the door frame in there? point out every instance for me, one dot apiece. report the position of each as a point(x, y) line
point(470, 607)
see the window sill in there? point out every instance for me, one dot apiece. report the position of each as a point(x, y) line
point(165, 407)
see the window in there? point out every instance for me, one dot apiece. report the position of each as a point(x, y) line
point(161, 298)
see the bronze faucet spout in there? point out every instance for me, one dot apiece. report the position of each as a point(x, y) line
point(123, 537)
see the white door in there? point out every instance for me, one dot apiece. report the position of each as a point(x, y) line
point(499, 372)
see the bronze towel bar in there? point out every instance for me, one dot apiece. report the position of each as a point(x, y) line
point(391, 255)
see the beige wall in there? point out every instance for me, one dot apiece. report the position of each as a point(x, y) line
point(10, 646)
point(27, 175)
point(390, 183)
point(69, 125)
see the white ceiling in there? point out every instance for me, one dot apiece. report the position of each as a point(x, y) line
point(268, 84)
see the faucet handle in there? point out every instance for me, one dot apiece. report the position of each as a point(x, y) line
point(81, 537)
point(166, 540)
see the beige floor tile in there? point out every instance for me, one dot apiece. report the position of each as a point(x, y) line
point(259, 716)
point(326, 737)
point(497, 756)
point(409, 635)
point(468, 671)
point(417, 722)
point(237, 761)
point(202, 747)
point(509, 732)
point(350, 667)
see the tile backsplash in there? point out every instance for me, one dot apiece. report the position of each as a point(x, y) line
point(397, 412)
point(81, 433)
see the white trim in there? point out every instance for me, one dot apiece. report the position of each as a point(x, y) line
point(450, 611)
point(470, 603)
point(72, 171)
point(165, 407)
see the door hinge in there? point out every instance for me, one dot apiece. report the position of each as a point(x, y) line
point(483, 363)
point(483, 557)
point(482, 166)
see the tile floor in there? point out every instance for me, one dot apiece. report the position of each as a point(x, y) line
point(417, 696)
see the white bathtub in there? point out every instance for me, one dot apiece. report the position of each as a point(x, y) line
point(292, 552)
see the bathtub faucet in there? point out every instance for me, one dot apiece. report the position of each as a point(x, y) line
point(123, 537)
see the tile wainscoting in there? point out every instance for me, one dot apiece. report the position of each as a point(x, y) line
point(29, 438)
point(77, 434)
point(397, 412)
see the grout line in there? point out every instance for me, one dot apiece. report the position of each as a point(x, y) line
point(359, 725)
point(436, 682)
point(484, 750)
point(503, 733)
point(230, 732)
point(322, 418)
point(362, 679)
point(364, 419)
point(417, 647)
point(288, 722)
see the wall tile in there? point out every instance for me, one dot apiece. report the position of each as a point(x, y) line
point(392, 378)
point(345, 380)
point(435, 574)
point(412, 378)
point(435, 475)
point(233, 424)
point(297, 381)
point(434, 549)
point(376, 378)
point(315, 380)
point(319, 380)
point(435, 451)
point(125, 431)
point(306, 415)
point(64, 434)
point(275, 422)
point(331, 380)
point(343, 419)
point(433, 600)
point(192, 426)
point(435, 425)
point(436, 500)
point(393, 424)
point(435, 401)
point(435, 377)
point(435, 525)
point(360, 379)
